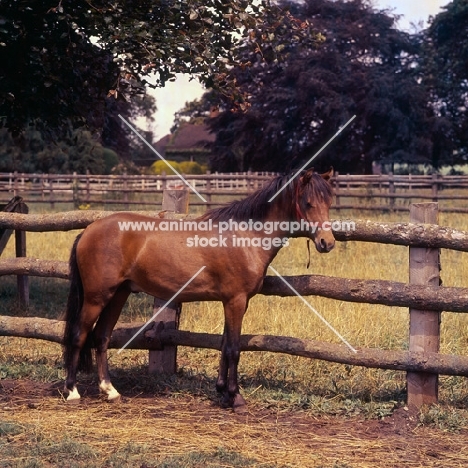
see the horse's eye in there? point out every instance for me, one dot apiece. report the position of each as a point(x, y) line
point(308, 205)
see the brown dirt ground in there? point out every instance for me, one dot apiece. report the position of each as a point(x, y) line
point(177, 424)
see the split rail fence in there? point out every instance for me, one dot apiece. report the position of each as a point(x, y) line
point(424, 296)
point(365, 192)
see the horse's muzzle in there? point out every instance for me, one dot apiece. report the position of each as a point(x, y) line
point(324, 245)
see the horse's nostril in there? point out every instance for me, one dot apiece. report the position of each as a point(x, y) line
point(325, 246)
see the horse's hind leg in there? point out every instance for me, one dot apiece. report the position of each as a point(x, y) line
point(89, 314)
point(102, 333)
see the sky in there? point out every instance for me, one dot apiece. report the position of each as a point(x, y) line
point(414, 11)
point(173, 96)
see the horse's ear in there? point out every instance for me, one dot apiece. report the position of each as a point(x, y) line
point(328, 175)
point(305, 178)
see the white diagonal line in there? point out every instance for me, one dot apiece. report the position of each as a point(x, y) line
point(161, 309)
point(313, 310)
point(184, 180)
point(312, 158)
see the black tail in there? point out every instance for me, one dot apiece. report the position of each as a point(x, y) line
point(73, 317)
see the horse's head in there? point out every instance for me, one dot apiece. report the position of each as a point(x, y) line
point(314, 196)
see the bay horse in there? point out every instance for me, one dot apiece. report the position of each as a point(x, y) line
point(107, 263)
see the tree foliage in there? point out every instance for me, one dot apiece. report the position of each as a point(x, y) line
point(364, 66)
point(78, 151)
point(445, 60)
point(197, 111)
point(51, 73)
point(61, 58)
point(54, 80)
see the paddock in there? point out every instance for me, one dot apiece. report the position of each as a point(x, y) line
point(284, 438)
point(424, 297)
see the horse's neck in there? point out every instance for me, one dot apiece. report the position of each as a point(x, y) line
point(278, 235)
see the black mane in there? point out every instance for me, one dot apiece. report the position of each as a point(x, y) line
point(256, 206)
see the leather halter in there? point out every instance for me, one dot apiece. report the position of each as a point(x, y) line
point(299, 217)
point(299, 214)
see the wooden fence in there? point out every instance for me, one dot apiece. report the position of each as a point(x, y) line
point(424, 296)
point(365, 192)
point(16, 205)
point(390, 192)
point(126, 190)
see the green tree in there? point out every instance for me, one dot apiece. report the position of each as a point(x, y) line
point(197, 111)
point(61, 58)
point(119, 137)
point(364, 66)
point(445, 61)
point(51, 73)
point(78, 151)
point(10, 154)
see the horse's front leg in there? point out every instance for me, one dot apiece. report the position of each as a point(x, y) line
point(234, 311)
point(221, 382)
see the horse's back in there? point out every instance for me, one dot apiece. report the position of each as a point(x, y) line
point(154, 259)
point(107, 249)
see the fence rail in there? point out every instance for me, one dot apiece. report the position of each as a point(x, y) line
point(156, 338)
point(122, 189)
point(430, 298)
point(364, 192)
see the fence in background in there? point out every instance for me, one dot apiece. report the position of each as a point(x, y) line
point(389, 192)
point(363, 192)
point(125, 189)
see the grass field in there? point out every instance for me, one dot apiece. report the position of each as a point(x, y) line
point(273, 382)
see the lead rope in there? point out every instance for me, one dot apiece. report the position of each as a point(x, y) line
point(308, 253)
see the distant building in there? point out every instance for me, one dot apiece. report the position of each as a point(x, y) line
point(190, 142)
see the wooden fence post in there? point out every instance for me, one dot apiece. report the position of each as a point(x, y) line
point(391, 190)
point(22, 281)
point(424, 325)
point(88, 187)
point(75, 191)
point(336, 186)
point(16, 205)
point(166, 360)
point(125, 189)
point(208, 189)
point(42, 178)
point(435, 187)
point(15, 184)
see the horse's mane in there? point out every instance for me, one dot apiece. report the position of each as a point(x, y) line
point(256, 205)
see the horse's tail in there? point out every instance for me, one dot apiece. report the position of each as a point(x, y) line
point(73, 318)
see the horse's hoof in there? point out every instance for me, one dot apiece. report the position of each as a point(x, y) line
point(114, 398)
point(236, 402)
point(239, 405)
point(73, 401)
point(240, 409)
point(108, 390)
point(226, 401)
point(73, 396)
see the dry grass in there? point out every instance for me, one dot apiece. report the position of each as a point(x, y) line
point(175, 431)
